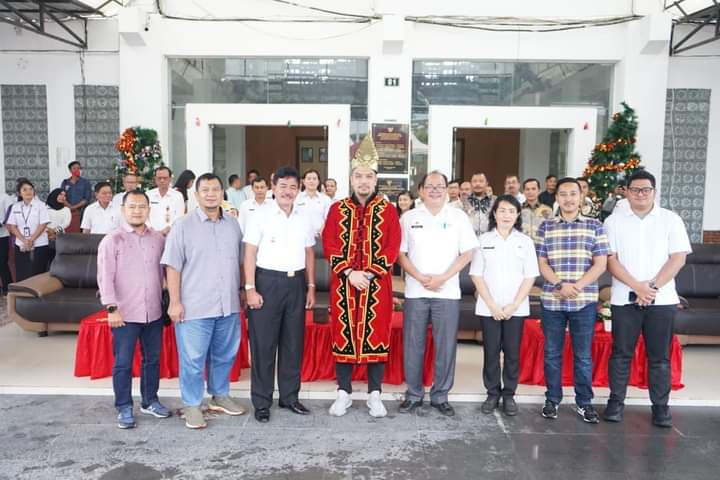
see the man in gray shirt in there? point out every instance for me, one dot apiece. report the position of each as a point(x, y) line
point(202, 260)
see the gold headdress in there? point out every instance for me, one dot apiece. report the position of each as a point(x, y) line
point(366, 155)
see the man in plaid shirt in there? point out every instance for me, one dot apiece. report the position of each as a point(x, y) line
point(572, 253)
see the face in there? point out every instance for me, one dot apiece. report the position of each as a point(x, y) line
point(209, 194)
point(136, 210)
point(285, 190)
point(363, 181)
point(130, 183)
point(404, 202)
point(506, 215)
point(640, 194)
point(260, 189)
point(27, 193)
point(311, 182)
point(531, 191)
point(512, 185)
point(433, 192)
point(162, 179)
point(75, 170)
point(104, 196)
point(252, 176)
point(550, 184)
point(61, 197)
point(620, 190)
point(330, 187)
point(479, 184)
point(465, 189)
point(236, 184)
point(489, 191)
point(568, 197)
point(190, 183)
point(584, 188)
point(453, 191)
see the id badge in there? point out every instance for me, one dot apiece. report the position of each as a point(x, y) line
point(26, 232)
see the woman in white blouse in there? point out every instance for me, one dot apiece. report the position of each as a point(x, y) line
point(503, 270)
point(27, 221)
point(60, 217)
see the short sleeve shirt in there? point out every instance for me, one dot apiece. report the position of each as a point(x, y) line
point(27, 218)
point(100, 220)
point(165, 210)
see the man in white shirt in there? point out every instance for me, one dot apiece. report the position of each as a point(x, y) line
point(100, 217)
point(246, 192)
point(130, 184)
point(6, 201)
point(331, 188)
point(249, 207)
point(311, 203)
point(235, 195)
point(512, 187)
point(453, 191)
point(166, 204)
point(648, 247)
point(437, 242)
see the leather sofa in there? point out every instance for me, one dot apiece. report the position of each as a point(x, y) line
point(698, 283)
point(57, 300)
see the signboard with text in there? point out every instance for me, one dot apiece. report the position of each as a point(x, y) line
point(391, 143)
point(392, 187)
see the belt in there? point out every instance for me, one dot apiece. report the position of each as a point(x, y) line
point(279, 273)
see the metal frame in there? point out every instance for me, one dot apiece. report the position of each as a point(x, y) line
point(709, 16)
point(35, 15)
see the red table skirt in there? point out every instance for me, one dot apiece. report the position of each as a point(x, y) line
point(319, 363)
point(94, 353)
point(532, 359)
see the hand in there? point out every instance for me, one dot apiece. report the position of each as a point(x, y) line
point(645, 294)
point(310, 298)
point(27, 244)
point(569, 291)
point(176, 312)
point(509, 311)
point(115, 319)
point(254, 299)
point(435, 283)
point(51, 233)
point(496, 312)
point(424, 279)
point(165, 230)
point(358, 280)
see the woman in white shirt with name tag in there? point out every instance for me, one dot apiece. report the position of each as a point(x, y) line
point(503, 270)
point(27, 221)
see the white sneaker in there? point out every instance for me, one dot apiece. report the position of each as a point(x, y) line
point(341, 404)
point(377, 409)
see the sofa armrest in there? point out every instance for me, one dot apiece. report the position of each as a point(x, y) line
point(36, 286)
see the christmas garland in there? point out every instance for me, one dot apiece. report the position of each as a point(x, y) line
point(140, 154)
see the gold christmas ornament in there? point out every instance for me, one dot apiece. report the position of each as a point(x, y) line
point(366, 154)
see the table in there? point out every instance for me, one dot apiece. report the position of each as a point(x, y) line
point(532, 359)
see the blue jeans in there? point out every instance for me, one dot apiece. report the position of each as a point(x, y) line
point(213, 341)
point(582, 327)
point(124, 341)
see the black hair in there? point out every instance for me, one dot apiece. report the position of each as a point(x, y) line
point(492, 221)
point(136, 193)
point(583, 179)
point(286, 172)
point(206, 177)
point(182, 181)
point(565, 180)
point(312, 170)
point(259, 179)
point(512, 175)
point(52, 199)
point(412, 200)
point(641, 174)
point(434, 172)
point(250, 172)
point(329, 179)
point(21, 182)
point(455, 180)
point(532, 180)
point(232, 178)
point(73, 163)
point(100, 185)
point(163, 167)
point(550, 176)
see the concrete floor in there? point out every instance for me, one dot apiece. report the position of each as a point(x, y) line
point(49, 437)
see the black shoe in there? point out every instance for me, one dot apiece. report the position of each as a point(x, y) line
point(588, 413)
point(550, 410)
point(613, 411)
point(262, 415)
point(295, 407)
point(409, 406)
point(510, 408)
point(661, 416)
point(490, 404)
point(445, 408)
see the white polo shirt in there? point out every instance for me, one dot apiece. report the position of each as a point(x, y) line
point(117, 201)
point(100, 220)
point(314, 208)
point(279, 238)
point(642, 246)
point(504, 264)
point(27, 218)
point(432, 243)
point(246, 211)
point(164, 210)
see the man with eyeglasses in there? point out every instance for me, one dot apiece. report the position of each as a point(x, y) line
point(648, 247)
point(437, 242)
point(572, 254)
point(166, 204)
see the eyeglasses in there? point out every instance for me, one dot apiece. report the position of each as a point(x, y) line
point(436, 188)
point(643, 190)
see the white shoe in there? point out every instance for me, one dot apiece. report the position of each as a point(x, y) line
point(341, 404)
point(377, 409)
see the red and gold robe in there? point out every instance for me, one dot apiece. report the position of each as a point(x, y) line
point(363, 238)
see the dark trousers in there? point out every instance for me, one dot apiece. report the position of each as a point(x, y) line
point(4, 262)
point(30, 263)
point(376, 373)
point(501, 336)
point(124, 341)
point(656, 324)
point(277, 328)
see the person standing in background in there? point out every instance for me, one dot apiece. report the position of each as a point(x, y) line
point(78, 194)
point(6, 202)
point(166, 204)
point(27, 222)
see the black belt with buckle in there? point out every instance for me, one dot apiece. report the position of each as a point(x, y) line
point(279, 273)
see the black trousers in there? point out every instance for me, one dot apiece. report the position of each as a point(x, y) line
point(30, 263)
point(656, 324)
point(4, 260)
point(277, 328)
point(501, 336)
point(376, 373)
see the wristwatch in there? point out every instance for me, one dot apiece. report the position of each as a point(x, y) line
point(653, 285)
point(558, 285)
point(111, 308)
point(249, 286)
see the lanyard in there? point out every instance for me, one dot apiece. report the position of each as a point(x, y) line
point(25, 218)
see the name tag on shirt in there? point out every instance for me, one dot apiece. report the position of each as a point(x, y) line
point(488, 248)
point(416, 226)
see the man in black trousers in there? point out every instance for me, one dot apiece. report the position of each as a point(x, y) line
point(279, 282)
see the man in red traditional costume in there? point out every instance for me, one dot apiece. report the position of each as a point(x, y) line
point(361, 240)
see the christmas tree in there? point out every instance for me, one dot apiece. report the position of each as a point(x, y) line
point(615, 158)
point(140, 154)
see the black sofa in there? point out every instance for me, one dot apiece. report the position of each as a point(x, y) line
point(698, 283)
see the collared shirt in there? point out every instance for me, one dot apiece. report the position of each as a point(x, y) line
point(100, 220)
point(129, 273)
point(165, 210)
point(432, 243)
point(315, 208)
point(236, 197)
point(532, 216)
point(247, 210)
point(27, 218)
point(504, 264)
point(520, 197)
point(569, 248)
point(208, 255)
point(78, 191)
point(280, 239)
point(642, 246)
point(6, 201)
point(478, 209)
point(456, 203)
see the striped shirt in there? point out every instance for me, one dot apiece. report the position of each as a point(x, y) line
point(569, 248)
